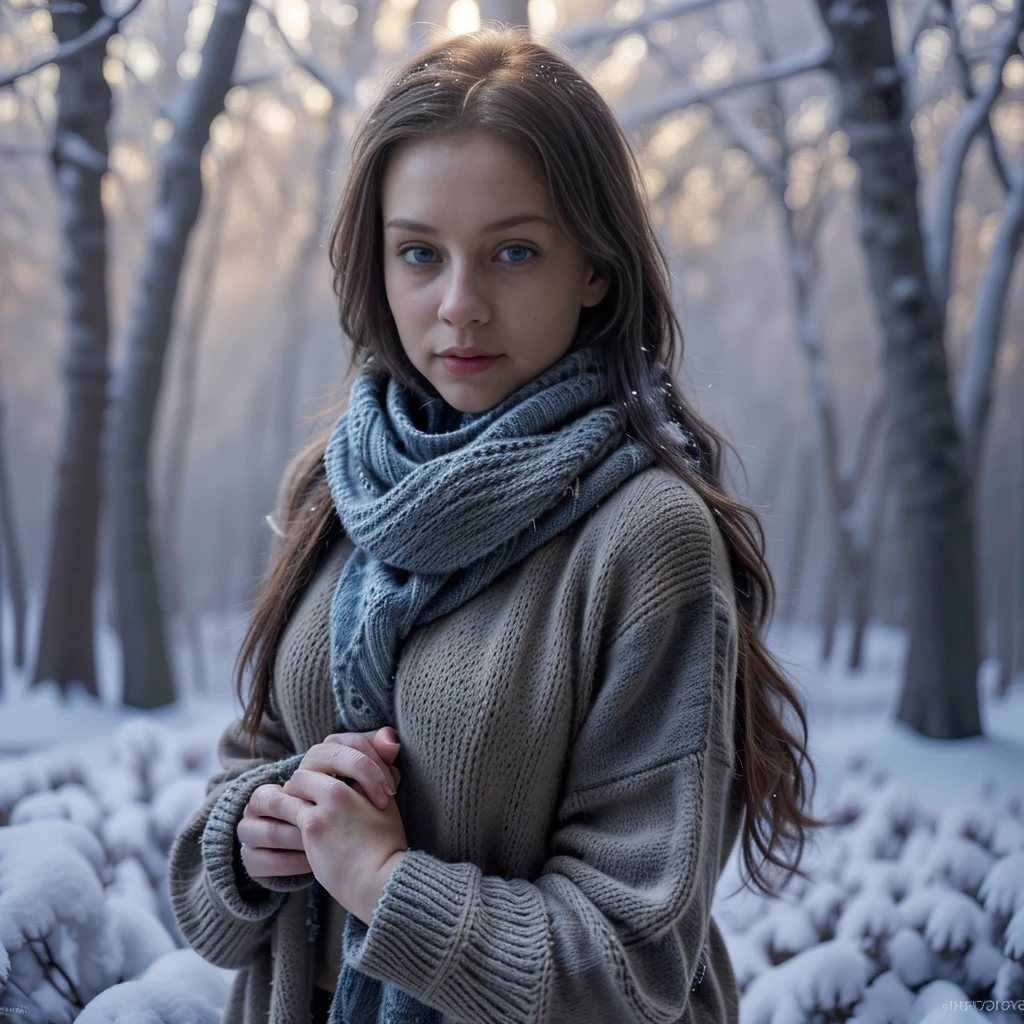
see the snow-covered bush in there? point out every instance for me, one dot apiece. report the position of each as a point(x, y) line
point(86, 929)
point(911, 913)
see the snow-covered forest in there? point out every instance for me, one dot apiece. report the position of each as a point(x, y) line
point(839, 187)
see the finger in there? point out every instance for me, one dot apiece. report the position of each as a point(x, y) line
point(348, 763)
point(271, 863)
point(364, 741)
point(271, 801)
point(269, 833)
point(320, 780)
point(386, 743)
point(319, 788)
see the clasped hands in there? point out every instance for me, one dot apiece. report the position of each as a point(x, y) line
point(350, 836)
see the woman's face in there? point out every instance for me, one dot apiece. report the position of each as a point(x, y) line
point(485, 290)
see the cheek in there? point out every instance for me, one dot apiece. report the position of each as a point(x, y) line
point(547, 314)
point(408, 305)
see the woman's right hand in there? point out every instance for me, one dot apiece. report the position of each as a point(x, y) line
point(271, 845)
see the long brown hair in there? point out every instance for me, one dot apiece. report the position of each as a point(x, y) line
point(498, 79)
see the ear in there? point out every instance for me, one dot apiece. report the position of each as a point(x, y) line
point(597, 285)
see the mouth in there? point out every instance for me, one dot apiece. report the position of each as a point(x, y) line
point(468, 364)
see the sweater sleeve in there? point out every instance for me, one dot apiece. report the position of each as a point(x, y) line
point(223, 912)
point(612, 928)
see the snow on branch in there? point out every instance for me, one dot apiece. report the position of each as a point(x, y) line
point(97, 34)
point(340, 86)
point(677, 99)
point(975, 394)
point(583, 36)
point(964, 67)
point(940, 221)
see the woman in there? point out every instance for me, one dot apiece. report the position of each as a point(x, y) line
point(513, 560)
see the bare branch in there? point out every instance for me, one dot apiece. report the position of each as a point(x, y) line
point(917, 26)
point(939, 223)
point(55, 7)
point(856, 471)
point(341, 87)
point(998, 162)
point(582, 36)
point(975, 393)
point(99, 33)
point(739, 134)
point(821, 202)
point(746, 139)
point(687, 96)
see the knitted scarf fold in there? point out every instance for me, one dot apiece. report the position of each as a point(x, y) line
point(435, 515)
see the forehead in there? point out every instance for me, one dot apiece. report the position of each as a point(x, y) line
point(458, 171)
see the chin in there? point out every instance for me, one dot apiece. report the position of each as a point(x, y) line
point(465, 400)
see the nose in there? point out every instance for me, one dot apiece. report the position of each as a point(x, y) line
point(464, 300)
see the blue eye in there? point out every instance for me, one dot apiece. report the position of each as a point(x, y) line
point(529, 251)
point(415, 248)
point(521, 248)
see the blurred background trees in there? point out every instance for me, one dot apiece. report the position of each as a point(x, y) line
point(840, 187)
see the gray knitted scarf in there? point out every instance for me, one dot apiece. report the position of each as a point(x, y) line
point(436, 512)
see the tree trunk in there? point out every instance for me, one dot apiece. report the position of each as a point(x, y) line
point(179, 602)
point(147, 673)
point(923, 446)
point(1018, 576)
point(298, 299)
point(65, 650)
point(11, 577)
point(804, 516)
point(866, 553)
point(1002, 603)
point(14, 575)
point(830, 604)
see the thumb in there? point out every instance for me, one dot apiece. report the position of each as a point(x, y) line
point(386, 741)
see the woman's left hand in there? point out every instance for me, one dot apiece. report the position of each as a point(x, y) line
point(352, 846)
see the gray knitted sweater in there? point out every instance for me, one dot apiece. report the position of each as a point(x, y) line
point(569, 790)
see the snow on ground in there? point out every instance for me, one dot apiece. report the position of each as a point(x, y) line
point(851, 713)
point(916, 904)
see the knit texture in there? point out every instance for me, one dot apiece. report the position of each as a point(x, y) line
point(568, 788)
point(436, 514)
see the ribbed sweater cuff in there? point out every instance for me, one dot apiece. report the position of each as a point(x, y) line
point(472, 946)
point(251, 899)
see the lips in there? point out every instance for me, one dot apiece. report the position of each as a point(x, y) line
point(463, 364)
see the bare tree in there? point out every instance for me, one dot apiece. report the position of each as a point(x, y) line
point(1017, 662)
point(975, 395)
point(147, 673)
point(925, 453)
point(850, 562)
point(843, 479)
point(927, 461)
point(95, 36)
point(181, 423)
point(80, 150)
point(11, 575)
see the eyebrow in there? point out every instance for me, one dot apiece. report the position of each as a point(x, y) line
point(498, 225)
